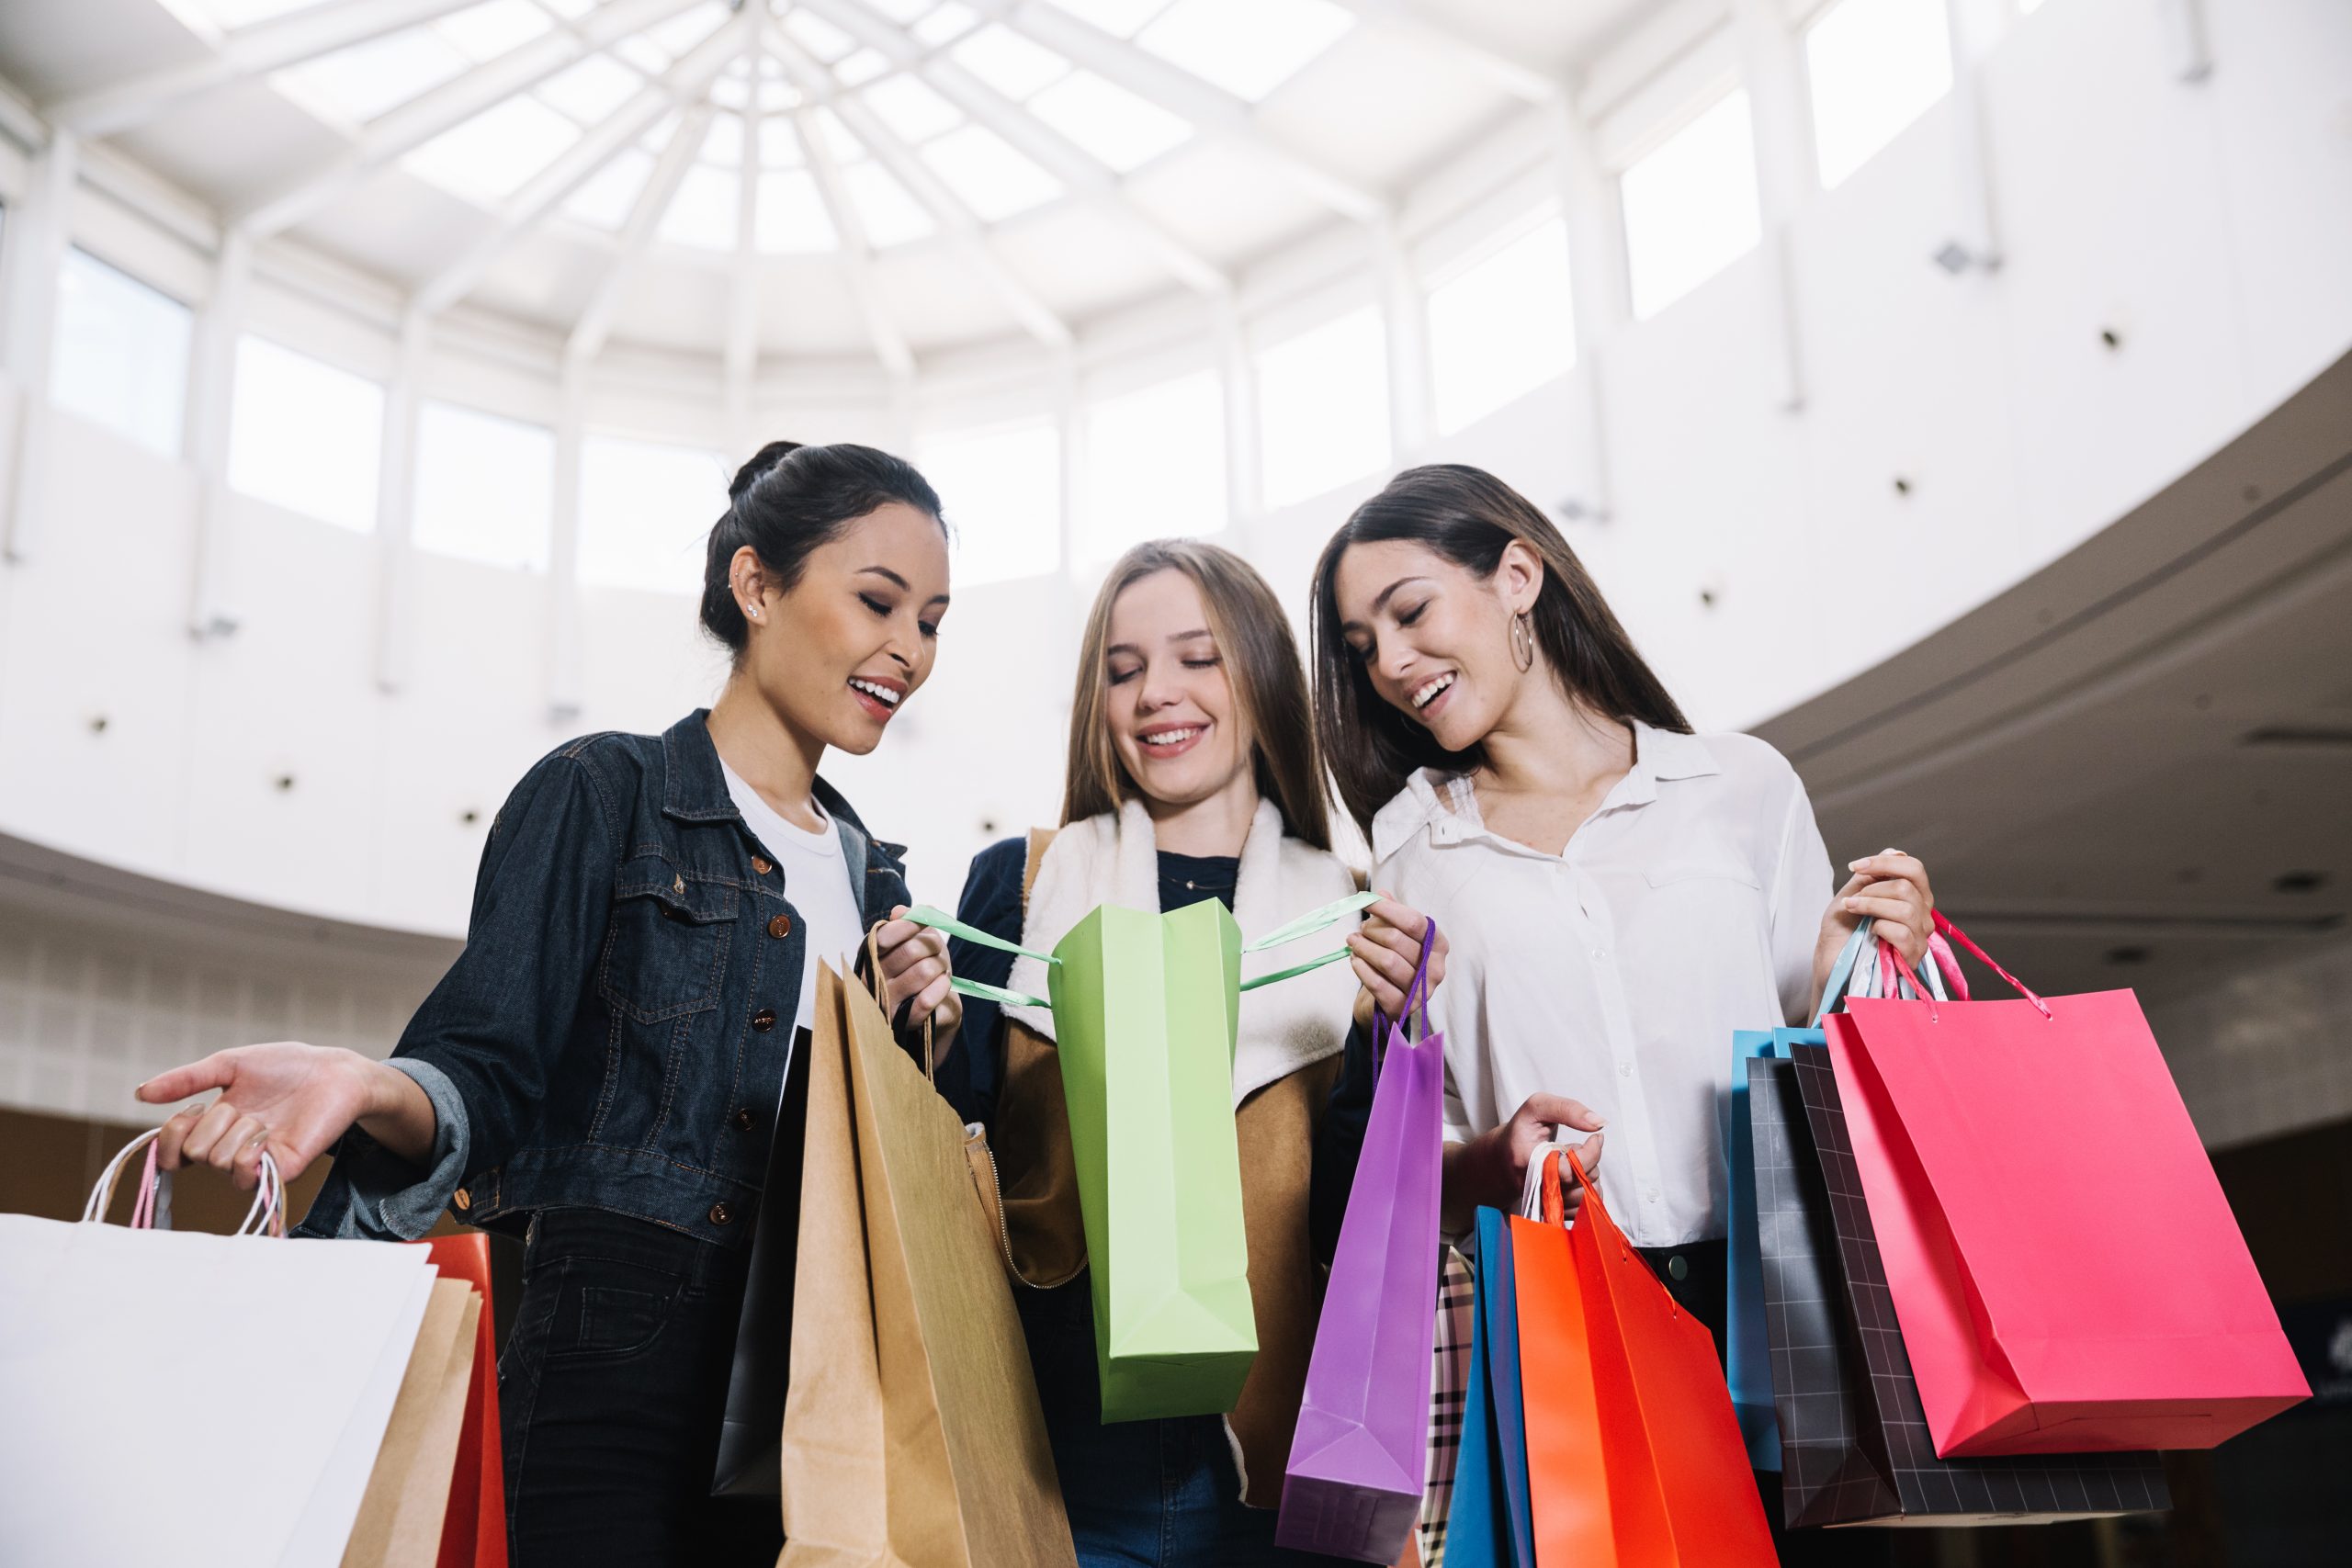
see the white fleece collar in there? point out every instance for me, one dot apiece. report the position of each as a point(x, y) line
point(1115, 859)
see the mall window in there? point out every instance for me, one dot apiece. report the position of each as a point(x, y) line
point(1154, 465)
point(1500, 323)
point(1873, 67)
point(484, 487)
point(120, 355)
point(645, 510)
point(1323, 408)
point(1691, 206)
point(1001, 491)
point(305, 435)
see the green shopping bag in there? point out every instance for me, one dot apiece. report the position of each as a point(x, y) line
point(1147, 1015)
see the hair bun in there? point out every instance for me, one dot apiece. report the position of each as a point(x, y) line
point(766, 458)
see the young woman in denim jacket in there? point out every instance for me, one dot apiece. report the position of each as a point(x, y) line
point(601, 1069)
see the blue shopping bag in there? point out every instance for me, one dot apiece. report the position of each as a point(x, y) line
point(1490, 1524)
point(1746, 1350)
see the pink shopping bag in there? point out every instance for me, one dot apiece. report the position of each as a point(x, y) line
point(2067, 1272)
point(1360, 1457)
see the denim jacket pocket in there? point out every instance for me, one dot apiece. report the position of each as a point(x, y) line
point(665, 947)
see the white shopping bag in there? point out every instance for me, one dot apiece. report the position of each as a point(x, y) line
point(193, 1400)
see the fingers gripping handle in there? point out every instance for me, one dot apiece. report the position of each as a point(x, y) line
point(1417, 999)
point(153, 1207)
point(880, 986)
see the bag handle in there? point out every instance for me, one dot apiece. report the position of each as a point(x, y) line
point(1945, 928)
point(880, 990)
point(1306, 925)
point(151, 1210)
point(1417, 999)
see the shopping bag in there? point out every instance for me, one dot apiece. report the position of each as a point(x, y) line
point(1359, 1460)
point(1567, 1474)
point(1450, 1360)
point(102, 1324)
point(473, 1534)
point(1746, 1365)
point(1146, 1010)
point(407, 1500)
point(2066, 1270)
point(1854, 1442)
point(912, 1431)
point(1487, 1524)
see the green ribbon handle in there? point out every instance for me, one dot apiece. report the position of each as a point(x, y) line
point(1306, 925)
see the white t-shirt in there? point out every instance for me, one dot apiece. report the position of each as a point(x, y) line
point(816, 878)
point(1614, 973)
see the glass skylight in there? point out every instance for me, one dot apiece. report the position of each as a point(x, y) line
point(1690, 207)
point(793, 218)
point(492, 154)
point(1323, 407)
point(1009, 62)
point(305, 435)
point(485, 32)
point(1874, 66)
point(605, 197)
point(1117, 127)
point(891, 216)
point(1247, 47)
point(484, 487)
point(1120, 16)
point(590, 89)
point(705, 211)
point(1502, 325)
point(949, 21)
point(357, 85)
point(818, 36)
point(991, 178)
point(911, 108)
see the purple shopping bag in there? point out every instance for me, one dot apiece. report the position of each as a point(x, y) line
point(1361, 1454)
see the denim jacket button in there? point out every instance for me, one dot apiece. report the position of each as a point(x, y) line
point(760, 866)
point(764, 1020)
point(721, 1214)
point(742, 1120)
point(780, 926)
point(463, 1199)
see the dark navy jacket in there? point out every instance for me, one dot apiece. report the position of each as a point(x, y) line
point(614, 1035)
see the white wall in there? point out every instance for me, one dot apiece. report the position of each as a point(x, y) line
point(2209, 224)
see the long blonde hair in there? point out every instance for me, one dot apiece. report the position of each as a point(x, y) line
point(1261, 664)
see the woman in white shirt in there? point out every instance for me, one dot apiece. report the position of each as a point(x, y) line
point(1620, 893)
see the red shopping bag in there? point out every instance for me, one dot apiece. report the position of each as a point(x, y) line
point(473, 1533)
point(1634, 1454)
point(2067, 1273)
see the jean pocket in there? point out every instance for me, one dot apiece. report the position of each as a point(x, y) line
point(611, 1309)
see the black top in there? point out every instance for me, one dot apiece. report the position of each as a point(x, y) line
point(971, 1075)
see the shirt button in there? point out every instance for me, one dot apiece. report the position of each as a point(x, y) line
point(721, 1214)
point(780, 926)
point(463, 1199)
point(761, 867)
point(742, 1120)
point(1624, 1069)
point(764, 1020)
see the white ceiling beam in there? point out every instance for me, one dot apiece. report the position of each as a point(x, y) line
point(682, 84)
point(740, 352)
point(956, 221)
point(1490, 59)
point(257, 51)
point(890, 345)
point(1036, 141)
point(1205, 105)
point(401, 131)
point(595, 321)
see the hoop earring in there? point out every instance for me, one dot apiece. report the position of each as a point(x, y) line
point(1522, 643)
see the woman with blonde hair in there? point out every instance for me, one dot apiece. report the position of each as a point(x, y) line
point(1193, 774)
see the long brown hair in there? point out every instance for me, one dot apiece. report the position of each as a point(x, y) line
point(1470, 517)
point(1262, 664)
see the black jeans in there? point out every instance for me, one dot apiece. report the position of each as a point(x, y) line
point(611, 1391)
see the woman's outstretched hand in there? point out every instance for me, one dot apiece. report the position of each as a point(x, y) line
point(293, 1100)
point(1387, 948)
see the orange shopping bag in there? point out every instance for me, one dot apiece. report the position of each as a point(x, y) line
point(473, 1532)
point(1634, 1455)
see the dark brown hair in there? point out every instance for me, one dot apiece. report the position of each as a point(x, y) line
point(1262, 664)
point(1469, 517)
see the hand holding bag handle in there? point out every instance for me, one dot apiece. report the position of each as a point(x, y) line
point(1416, 998)
point(878, 987)
point(152, 1208)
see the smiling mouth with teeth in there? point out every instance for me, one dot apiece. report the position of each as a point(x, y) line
point(875, 689)
point(1170, 739)
point(1431, 690)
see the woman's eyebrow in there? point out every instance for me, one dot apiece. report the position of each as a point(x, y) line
point(1382, 602)
point(885, 573)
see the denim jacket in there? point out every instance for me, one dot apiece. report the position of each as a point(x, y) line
point(614, 1035)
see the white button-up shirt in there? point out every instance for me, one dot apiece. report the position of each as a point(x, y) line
point(1614, 973)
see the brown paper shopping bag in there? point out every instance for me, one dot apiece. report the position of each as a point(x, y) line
point(408, 1491)
point(912, 1436)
